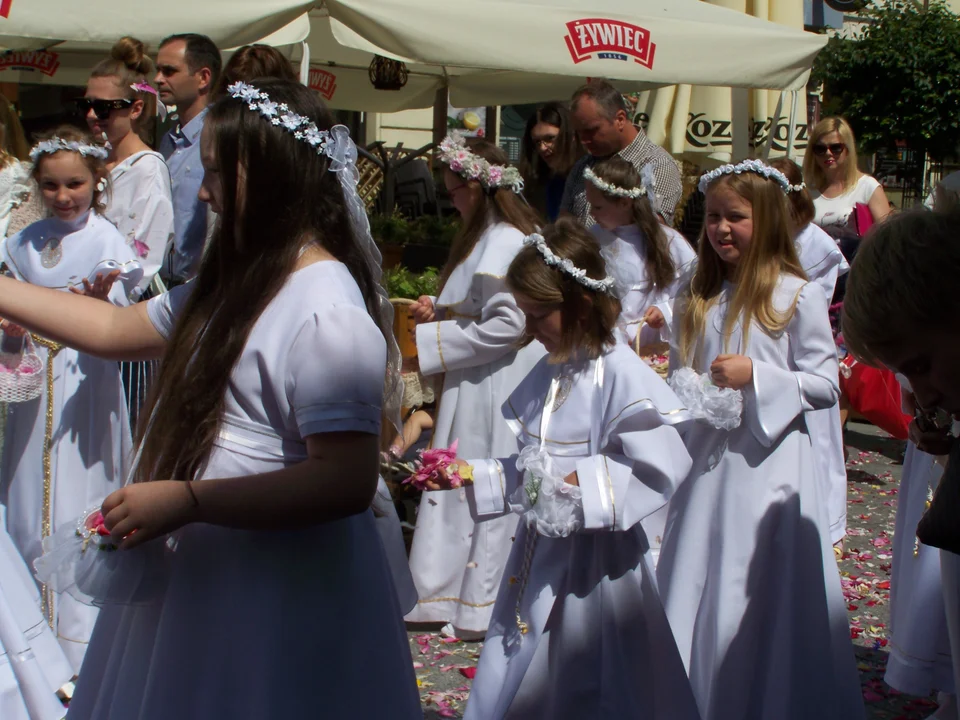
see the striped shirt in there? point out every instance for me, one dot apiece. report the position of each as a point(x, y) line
point(640, 152)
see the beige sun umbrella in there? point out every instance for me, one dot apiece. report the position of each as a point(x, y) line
point(714, 125)
point(507, 51)
point(70, 62)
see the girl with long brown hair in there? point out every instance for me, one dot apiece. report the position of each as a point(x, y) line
point(470, 333)
point(249, 512)
point(646, 256)
point(747, 568)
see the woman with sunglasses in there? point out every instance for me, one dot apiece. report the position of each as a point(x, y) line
point(548, 150)
point(837, 185)
point(121, 106)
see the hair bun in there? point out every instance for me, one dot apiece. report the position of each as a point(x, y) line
point(133, 54)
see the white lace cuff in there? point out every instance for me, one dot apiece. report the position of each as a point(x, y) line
point(544, 501)
point(719, 407)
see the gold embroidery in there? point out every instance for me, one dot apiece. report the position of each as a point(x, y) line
point(440, 349)
point(456, 600)
point(46, 526)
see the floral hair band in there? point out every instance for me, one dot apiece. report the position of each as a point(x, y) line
point(755, 166)
point(470, 166)
point(57, 144)
point(143, 87)
point(567, 267)
point(280, 114)
point(647, 187)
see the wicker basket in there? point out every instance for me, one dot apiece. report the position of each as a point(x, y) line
point(649, 353)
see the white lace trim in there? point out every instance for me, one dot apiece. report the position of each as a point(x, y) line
point(546, 503)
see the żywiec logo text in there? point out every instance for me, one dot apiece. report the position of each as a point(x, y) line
point(41, 60)
point(323, 82)
point(609, 40)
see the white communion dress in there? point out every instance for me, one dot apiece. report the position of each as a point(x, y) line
point(580, 578)
point(279, 624)
point(747, 573)
point(80, 415)
point(456, 563)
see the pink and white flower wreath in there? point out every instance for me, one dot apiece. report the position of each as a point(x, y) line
point(469, 166)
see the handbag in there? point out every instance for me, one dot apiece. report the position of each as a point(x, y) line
point(939, 526)
point(862, 218)
point(874, 394)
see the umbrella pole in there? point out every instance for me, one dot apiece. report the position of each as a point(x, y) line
point(773, 128)
point(305, 63)
point(794, 101)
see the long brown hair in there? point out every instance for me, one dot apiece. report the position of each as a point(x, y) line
point(660, 266)
point(130, 64)
point(799, 202)
point(588, 317)
point(771, 254)
point(496, 205)
point(252, 62)
point(253, 251)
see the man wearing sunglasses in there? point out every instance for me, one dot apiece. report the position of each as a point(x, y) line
point(188, 67)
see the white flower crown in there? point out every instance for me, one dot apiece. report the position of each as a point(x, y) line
point(470, 166)
point(56, 144)
point(647, 186)
point(302, 128)
point(796, 188)
point(754, 166)
point(566, 266)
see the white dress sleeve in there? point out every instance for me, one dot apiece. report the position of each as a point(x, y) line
point(336, 369)
point(446, 345)
point(643, 460)
point(777, 394)
point(821, 259)
point(163, 310)
point(493, 482)
point(684, 260)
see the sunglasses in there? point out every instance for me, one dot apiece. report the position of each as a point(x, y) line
point(835, 149)
point(102, 108)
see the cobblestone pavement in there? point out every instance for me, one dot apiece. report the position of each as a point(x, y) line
point(445, 667)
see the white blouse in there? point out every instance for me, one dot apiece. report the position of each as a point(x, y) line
point(833, 214)
point(140, 205)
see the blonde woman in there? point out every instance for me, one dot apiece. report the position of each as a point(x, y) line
point(836, 184)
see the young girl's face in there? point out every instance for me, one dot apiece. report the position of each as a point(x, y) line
point(729, 224)
point(609, 213)
point(67, 184)
point(464, 194)
point(543, 322)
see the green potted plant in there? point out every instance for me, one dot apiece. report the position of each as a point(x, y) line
point(391, 233)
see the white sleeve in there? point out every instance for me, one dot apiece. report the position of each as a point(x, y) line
point(446, 345)
point(493, 482)
point(778, 395)
point(685, 261)
point(163, 310)
point(336, 369)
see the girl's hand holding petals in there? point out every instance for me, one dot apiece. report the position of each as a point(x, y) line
point(143, 511)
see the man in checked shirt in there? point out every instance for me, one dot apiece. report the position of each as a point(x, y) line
point(600, 118)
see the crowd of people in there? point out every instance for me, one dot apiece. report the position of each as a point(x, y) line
point(201, 380)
